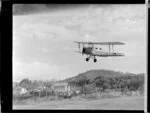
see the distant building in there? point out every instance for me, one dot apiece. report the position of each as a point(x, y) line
point(48, 86)
point(19, 90)
point(61, 87)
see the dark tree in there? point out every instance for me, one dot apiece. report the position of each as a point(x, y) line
point(26, 83)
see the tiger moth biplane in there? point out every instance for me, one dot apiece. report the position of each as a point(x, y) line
point(91, 51)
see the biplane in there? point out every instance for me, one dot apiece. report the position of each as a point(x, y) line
point(91, 51)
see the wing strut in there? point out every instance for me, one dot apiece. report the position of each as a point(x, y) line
point(113, 48)
point(109, 48)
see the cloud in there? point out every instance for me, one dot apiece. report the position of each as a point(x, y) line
point(44, 50)
point(45, 31)
point(97, 21)
point(20, 9)
point(38, 71)
point(72, 49)
point(55, 32)
point(34, 70)
point(89, 38)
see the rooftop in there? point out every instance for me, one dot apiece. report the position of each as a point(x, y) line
point(60, 84)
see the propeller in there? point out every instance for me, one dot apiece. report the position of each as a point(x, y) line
point(83, 51)
point(78, 51)
point(79, 46)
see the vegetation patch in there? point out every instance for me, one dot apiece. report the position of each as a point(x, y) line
point(99, 87)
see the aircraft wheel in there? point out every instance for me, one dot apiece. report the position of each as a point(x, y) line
point(87, 59)
point(95, 60)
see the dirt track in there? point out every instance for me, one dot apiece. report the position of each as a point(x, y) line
point(121, 103)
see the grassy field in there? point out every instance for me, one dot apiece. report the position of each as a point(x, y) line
point(118, 103)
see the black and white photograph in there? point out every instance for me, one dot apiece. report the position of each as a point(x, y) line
point(79, 56)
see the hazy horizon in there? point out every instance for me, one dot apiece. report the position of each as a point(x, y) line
point(43, 43)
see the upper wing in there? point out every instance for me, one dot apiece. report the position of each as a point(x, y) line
point(109, 43)
point(102, 43)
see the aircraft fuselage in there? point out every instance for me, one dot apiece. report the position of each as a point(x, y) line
point(99, 52)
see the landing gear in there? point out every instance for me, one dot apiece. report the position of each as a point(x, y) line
point(95, 60)
point(87, 59)
point(93, 57)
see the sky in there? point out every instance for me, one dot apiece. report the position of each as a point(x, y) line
point(43, 42)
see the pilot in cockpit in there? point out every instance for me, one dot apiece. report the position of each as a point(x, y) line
point(98, 48)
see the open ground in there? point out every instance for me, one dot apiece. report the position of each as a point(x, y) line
point(119, 103)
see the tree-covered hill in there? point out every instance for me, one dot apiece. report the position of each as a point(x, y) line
point(108, 79)
point(97, 80)
point(92, 74)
